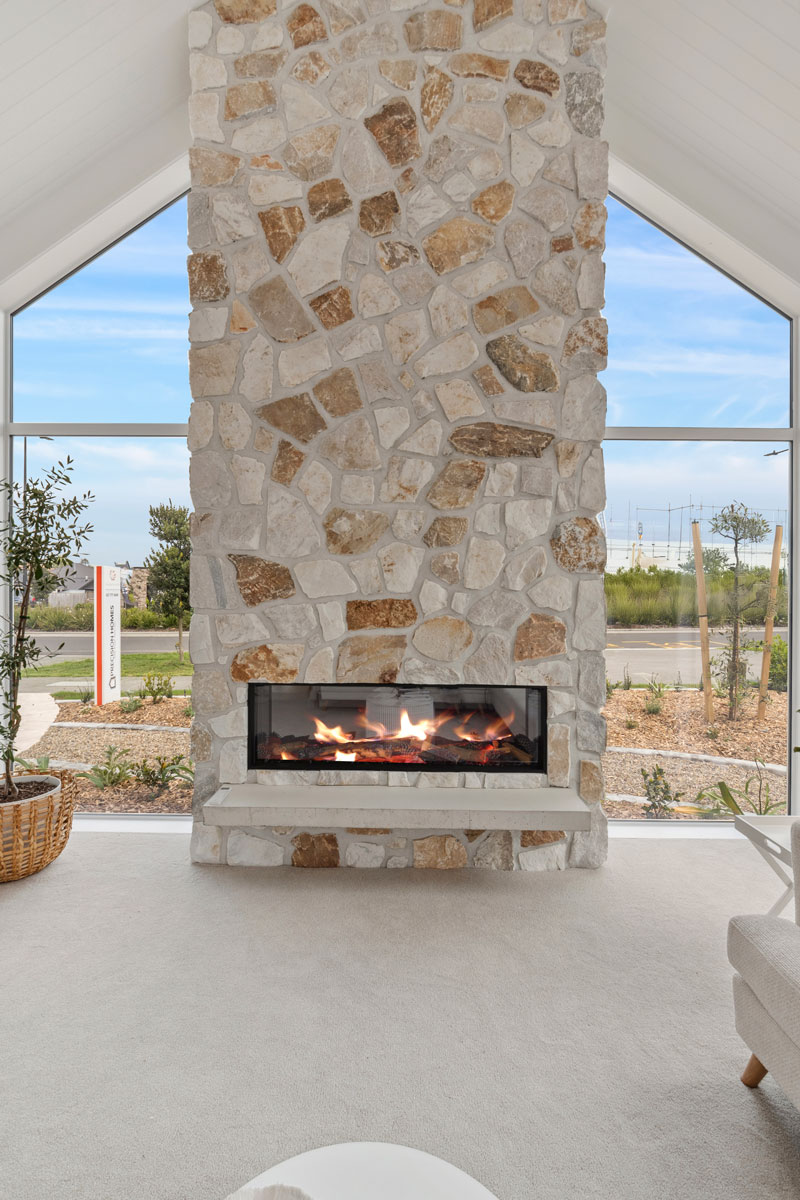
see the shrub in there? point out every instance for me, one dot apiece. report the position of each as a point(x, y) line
point(80, 619)
point(158, 687)
point(188, 711)
point(42, 763)
point(86, 694)
point(779, 665)
point(664, 597)
point(115, 769)
point(660, 797)
point(629, 724)
point(163, 771)
point(130, 704)
point(652, 706)
point(626, 679)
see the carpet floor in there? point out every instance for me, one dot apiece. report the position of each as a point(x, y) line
point(167, 1031)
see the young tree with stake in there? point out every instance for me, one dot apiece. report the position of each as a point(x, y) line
point(168, 567)
point(742, 527)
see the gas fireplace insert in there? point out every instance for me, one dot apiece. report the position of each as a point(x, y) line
point(400, 727)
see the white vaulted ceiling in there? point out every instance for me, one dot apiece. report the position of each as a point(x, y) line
point(703, 99)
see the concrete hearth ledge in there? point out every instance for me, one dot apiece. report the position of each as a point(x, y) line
point(397, 808)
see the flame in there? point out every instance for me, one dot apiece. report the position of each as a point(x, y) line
point(339, 757)
point(327, 734)
point(287, 757)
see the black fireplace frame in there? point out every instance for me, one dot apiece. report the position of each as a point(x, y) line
point(535, 695)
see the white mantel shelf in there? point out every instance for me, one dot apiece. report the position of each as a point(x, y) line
point(342, 806)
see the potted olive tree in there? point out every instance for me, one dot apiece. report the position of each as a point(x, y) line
point(41, 532)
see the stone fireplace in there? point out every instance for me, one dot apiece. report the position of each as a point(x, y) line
point(396, 227)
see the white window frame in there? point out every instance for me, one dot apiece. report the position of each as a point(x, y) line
point(767, 283)
point(677, 219)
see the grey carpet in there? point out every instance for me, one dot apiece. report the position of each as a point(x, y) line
point(167, 1032)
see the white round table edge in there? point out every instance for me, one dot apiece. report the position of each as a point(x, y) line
point(356, 1170)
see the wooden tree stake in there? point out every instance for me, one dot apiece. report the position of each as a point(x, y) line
point(769, 624)
point(702, 610)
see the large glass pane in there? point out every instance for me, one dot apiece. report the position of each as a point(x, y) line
point(656, 709)
point(127, 476)
point(688, 346)
point(110, 342)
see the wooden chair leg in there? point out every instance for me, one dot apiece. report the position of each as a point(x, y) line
point(753, 1073)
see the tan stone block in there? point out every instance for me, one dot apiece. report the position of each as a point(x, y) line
point(503, 308)
point(586, 37)
point(435, 96)
point(492, 440)
point(212, 369)
point(590, 225)
point(394, 128)
point(315, 850)
point(457, 484)
point(310, 155)
point(392, 255)
point(278, 662)
point(311, 68)
point(401, 72)
point(259, 580)
point(541, 837)
point(241, 12)
point(352, 446)
point(212, 168)
point(381, 614)
point(496, 852)
point(541, 636)
point(578, 545)
point(487, 12)
point(522, 110)
point(328, 199)
point(483, 65)
point(456, 243)
point(487, 381)
point(338, 393)
point(376, 215)
point(365, 659)
point(333, 308)
point(495, 202)
point(288, 462)
point(282, 226)
point(207, 278)
point(446, 531)
point(434, 30)
point(538, 77)
point(527, 370)
point(591, 781)
point(241, 320)
point(305, 26)
point(352, 531)
point(245, 98)
point(445, 566)
point(566, 10)
point(440, 851)
point(586, 346)
point(263, 65)
point(479, 120)
point(443, 638)
point(279, 310)
point(558, 755)
point(295, 415)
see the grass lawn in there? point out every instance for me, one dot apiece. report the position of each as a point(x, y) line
point(132, 664)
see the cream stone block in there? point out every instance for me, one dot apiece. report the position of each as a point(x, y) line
point(303, 362)
point(324, 577)
point(317, 260)
point(316, 484)
point(245, 850)
point(400, 564)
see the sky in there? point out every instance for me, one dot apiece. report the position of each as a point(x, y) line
point(687, 346)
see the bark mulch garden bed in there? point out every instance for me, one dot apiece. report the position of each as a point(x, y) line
point(681, 725)
point(174, 710)
point(133, 798)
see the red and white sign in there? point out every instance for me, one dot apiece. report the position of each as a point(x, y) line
point(107, 635)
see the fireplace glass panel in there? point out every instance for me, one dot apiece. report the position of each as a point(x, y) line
point(458, 727)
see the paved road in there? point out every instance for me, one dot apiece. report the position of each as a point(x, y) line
point(81, 645)
point(681, 638)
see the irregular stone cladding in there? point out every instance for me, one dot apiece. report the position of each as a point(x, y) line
point(396, 227)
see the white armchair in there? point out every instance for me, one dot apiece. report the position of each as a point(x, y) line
point(765, 953)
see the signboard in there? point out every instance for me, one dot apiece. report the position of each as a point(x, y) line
point(107, 631)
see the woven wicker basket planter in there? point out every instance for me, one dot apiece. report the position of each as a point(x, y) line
point(34, 832)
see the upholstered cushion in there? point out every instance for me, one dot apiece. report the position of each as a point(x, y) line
point(779, 1054)
point(766, 953)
